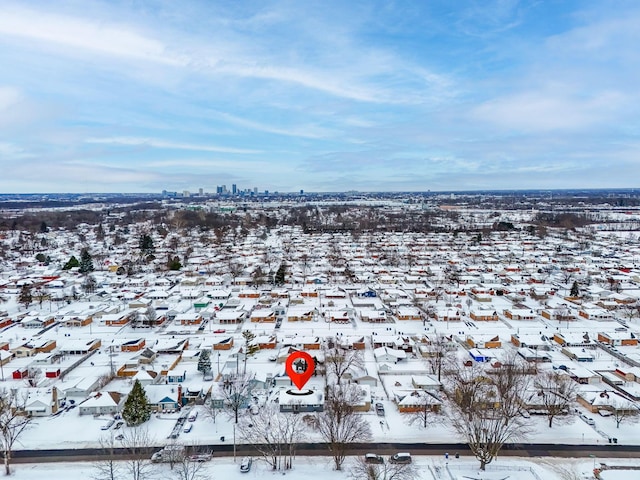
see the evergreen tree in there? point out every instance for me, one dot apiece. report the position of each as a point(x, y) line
point(136, 409)
point(72, 263)
point(25, 297)
point(146, 245)
point(174, 263)
point(280, 274)
point(204, 362)
point(575, 290)
point(100, 232)
point(250, 347)
point(86, 262)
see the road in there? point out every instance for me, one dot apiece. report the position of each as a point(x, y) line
point(320, 449)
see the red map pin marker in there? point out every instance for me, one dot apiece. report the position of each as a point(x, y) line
point(299, 378)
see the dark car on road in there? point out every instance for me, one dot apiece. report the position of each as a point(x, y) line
point(373, 458)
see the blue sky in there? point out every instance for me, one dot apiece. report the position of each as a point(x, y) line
point(140, 96)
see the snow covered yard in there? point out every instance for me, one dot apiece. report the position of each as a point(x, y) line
point(430, 468)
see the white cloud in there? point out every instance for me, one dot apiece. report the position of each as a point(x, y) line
point(84, 35)
point(11, 151)
point(155, 143)
point(545, 111)
point(308, 131)
point(9, 97)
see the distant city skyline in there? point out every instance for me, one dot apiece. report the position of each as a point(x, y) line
point(328, 96)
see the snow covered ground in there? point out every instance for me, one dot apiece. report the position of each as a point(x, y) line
point(430, 468)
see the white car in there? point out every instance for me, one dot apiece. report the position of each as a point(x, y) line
point(245, 466)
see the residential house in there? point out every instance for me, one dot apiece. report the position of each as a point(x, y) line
point(163, 398)
point(389, 355)
point(305, 401)
point(412, 401)
point(133, 345)
point(102, 403)
point(223, 343)
point(483, 341)
point(193, 318)
point(41, 402)
point(618, 338)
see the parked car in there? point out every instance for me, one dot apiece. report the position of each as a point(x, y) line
point(188, 428)
point(380, 409)
point(587, 420)
point(118, 425)
point(107, 425)
point(200, 457)
point(373, 458)
point(193, 416)
point(245, 466)
point(401, 457)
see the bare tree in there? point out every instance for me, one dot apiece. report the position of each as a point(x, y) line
point(137, 442)
point(426, 408)
point(13, 422)
point(235, 391)
point(90, 284)
point(134, 318)
point(555, 391)
point(511, 380)
point(186, 468)
point(34, 375)
point(107, 468)
point(623, 410)
point(485, 432)
point(467, 388)
point(150, 316)
point(439, 352)
point(477, 413)
point(340, 424)
point(340, 359)
point(383, 471)
point(40, 295)
point(274, 435)
point(629, 310)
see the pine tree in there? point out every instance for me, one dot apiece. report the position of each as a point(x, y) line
point(86, 262)
point(146, 245)
point(174, 263)
point(575, 290)
point(136, 409)
point(204, 362)
point(72, 263)
point(280, 274)
point(100, 232)
point(250, 347)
